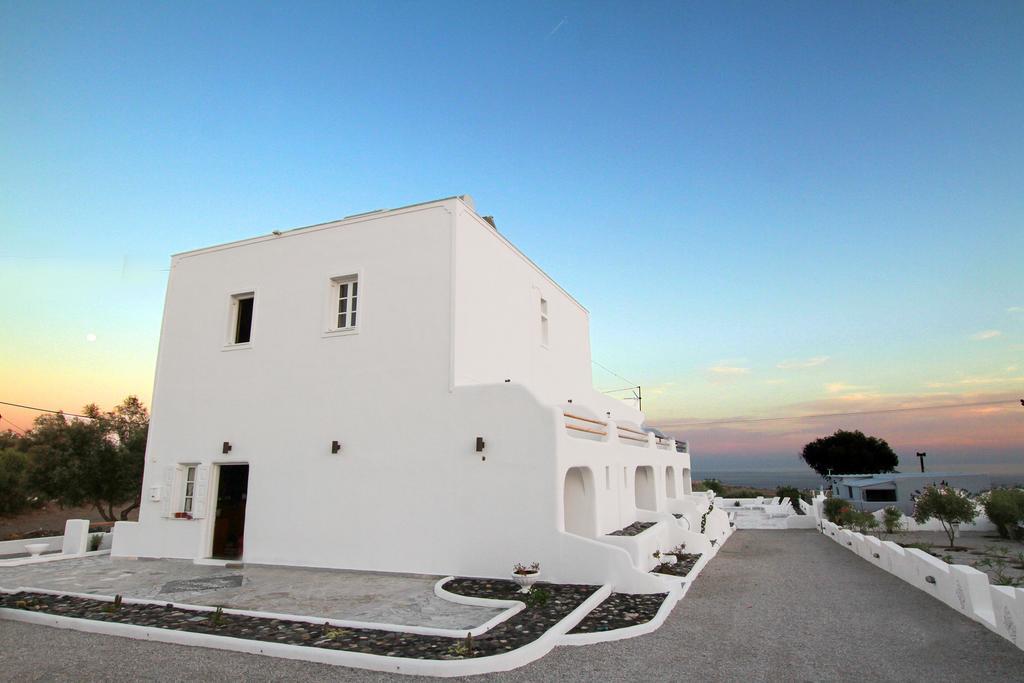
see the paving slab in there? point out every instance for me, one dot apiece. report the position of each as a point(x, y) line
point(364, 596)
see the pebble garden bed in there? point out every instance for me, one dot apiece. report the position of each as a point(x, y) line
point(546, 605)
point(684, 563)
point(633, 529)
point(620, 610)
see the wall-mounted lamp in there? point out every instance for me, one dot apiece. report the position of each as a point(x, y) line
point(570, 400)
point(507, 381)
point(335, 447)
point(226, 448)
point(480, 444)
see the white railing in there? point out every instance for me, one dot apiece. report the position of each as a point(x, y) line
point(592, 429)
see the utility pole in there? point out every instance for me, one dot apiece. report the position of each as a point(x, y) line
point(922, 456)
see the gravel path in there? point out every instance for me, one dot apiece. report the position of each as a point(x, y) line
point(772, 605)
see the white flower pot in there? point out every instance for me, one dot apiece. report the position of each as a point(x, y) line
point(525, 581)
point(36, 549)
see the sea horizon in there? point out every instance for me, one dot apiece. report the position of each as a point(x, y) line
point(806, 479)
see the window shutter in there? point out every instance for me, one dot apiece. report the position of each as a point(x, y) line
point(167, 494)
point(200, 495)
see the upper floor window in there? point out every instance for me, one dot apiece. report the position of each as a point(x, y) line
point(345, 303)
point(241, 318)
point(544, 321)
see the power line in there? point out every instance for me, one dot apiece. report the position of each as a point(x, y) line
point(20, 430)
point(862, 412)
point(43, 410)
point(607, 369)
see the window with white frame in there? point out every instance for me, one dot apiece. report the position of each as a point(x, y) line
point(188, 489)
point(344, 310)
point(240, 331)
point(543, 321)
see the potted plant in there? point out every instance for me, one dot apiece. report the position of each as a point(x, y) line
point(526, 575)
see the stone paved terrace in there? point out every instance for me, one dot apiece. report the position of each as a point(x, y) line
point(363, 596)
point(773, 605)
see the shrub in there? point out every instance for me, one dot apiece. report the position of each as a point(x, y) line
point(94, 542)
point(833, 509)
point(864, 522)
point(710, 485)
point(892, 519)
point(950, 506)
point(1005, 508)
point(793, 494)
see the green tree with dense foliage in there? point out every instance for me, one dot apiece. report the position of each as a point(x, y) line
point(849, 453)
point(14, 491)
point(1005, 509)
point(950, 506)
point(96, 461)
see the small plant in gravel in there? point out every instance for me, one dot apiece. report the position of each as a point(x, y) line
point(538, 597)
point(463, 648)
point(217, 617)
point(335, 633)
point(999, 575)
point(114, 606)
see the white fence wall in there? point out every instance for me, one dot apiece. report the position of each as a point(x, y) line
point(965, 589)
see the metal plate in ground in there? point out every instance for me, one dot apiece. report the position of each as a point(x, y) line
point(210, 583)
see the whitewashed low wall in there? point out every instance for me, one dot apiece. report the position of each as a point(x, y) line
point(965, 589)
point(982, 523)
point(17, 547)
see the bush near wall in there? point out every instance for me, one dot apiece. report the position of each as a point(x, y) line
point(1005, 509)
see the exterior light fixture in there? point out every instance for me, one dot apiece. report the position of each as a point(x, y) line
point(226, 448)
point(507, 381)
point(480, 444)
point(335, 447)
point(930, 579)
point(570, 400)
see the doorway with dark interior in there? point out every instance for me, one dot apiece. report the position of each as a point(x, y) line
point(229, 521)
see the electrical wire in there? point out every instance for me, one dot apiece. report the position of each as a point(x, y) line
point(20, 430)
point(43, 410)
point(607, 369)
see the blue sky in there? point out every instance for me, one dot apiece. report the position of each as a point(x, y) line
point(768, 208)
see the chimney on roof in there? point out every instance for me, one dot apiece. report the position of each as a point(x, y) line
point(490, 219)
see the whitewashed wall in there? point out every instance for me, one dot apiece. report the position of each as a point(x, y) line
point(965, 589)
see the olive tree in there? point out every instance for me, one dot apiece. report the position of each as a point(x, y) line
point(950, 506)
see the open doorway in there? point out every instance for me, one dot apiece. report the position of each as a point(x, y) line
point(229, 522)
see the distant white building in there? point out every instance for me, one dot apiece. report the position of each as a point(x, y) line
point(401, 390)
point(870, 492)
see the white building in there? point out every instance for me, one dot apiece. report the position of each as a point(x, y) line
point(401, 390)
point(871, 492)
